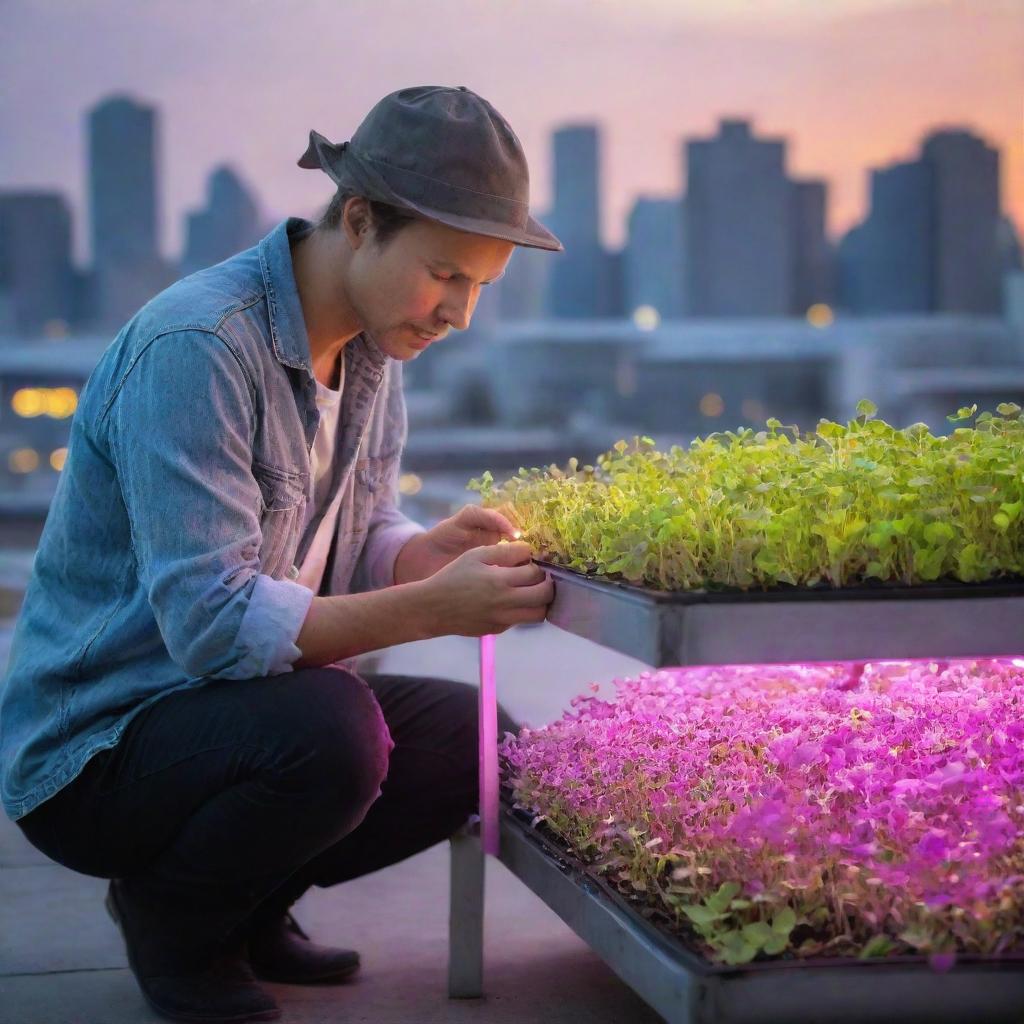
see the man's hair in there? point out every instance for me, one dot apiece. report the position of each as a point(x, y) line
point(387, 220)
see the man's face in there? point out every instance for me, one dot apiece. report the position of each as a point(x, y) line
point(424, 279)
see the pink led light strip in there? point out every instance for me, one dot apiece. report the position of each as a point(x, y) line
point(488, 749)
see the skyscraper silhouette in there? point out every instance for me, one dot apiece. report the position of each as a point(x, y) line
point(931, 240)
point(577, 283)
point(739, 233)
point(227, 224)
point(122, 181)
point(653, 271)
point(890, 269)
point(965, 226)
point(523, 291)
point(813, 271)
point(123, 206)
point(36, 277)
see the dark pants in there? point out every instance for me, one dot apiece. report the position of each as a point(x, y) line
point(221, 805)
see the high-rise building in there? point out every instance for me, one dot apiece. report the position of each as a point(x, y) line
point(123, 206)
point(851, 286)
point(122, 181)
point(1011, 256)
point(229, 222)
point(932, 239)
point(894, 263)
point(965, 207)
point(653, 258)
point(576, 281)
point(812, 255)
point(739, 233)
point(613, 297)
point(1011, 271)
point(523, 290)
point(36, 276)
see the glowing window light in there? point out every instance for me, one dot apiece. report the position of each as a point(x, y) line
point(409, 483)
point(646, 318)
point(57, 403)
point(58, 457)
point(820, 315)
point(61, 403)
point(712, 405)
point(23, 460)
point(28, 402)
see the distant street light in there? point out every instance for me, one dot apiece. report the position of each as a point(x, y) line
point(820, 315)
point(712, 405)
point(646, 318)
point(23, 460)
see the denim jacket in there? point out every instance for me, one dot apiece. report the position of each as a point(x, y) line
point(169, 553)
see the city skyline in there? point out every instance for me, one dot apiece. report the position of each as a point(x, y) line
point(746, 238)
point(82, 220)
point(737, 61)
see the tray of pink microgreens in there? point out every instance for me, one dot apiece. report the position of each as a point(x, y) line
point(796, 813)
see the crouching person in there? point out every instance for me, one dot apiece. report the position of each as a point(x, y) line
point(182, 713)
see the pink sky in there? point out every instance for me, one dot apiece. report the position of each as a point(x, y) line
point(853, 84)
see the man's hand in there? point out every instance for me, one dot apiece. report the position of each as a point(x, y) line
point(487, 590)
point(470, 527)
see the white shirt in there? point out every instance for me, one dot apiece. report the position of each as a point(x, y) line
point(328, 403)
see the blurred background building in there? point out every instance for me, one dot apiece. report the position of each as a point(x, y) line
point(935, 240)
point(228, 223)
point(38, 290)
point(123, 162)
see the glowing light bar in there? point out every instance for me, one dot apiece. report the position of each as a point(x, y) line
point(488, 732)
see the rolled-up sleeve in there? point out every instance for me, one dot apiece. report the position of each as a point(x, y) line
point(270, 625)
point(180, 429)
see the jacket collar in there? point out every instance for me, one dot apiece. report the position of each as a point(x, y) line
point(287, 324)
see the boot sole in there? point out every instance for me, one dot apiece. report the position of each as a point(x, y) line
point(110, 902)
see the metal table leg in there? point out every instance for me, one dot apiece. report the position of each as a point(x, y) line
point(466, 915)
point(469, 846)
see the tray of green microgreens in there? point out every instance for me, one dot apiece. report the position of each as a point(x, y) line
point(852, 541)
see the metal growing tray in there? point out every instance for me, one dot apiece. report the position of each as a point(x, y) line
point(687, 989)
point(702, 627)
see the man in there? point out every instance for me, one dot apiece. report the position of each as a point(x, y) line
point(226, 531)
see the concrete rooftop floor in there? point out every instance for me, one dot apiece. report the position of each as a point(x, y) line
point(62, 960)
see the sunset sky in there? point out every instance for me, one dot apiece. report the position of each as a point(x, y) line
point(852, 84)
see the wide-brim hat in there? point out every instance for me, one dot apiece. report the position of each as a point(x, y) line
point(443, 153)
